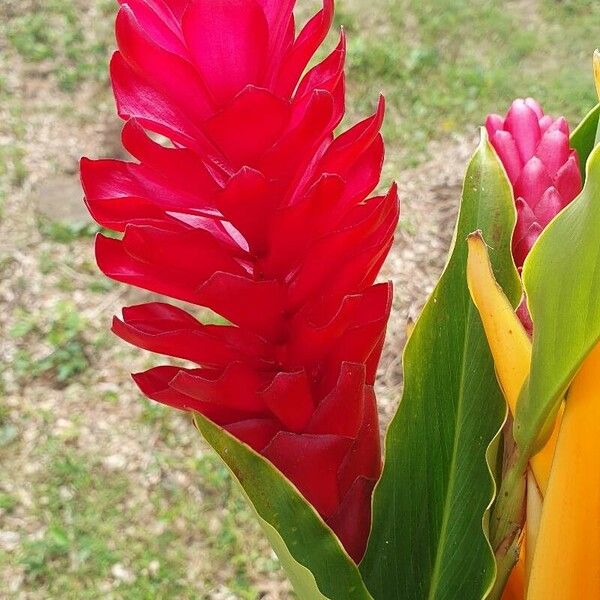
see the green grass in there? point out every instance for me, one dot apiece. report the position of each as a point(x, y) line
point(53, 34)
point(12, 164)
point(95, 525)
point(68, 348)
point(448, 63)
point(86, 519)
point(65, 233)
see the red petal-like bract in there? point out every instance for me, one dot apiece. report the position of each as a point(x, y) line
point(543, 170)
point(258, 211)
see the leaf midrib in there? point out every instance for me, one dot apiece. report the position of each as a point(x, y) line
point(441, 544)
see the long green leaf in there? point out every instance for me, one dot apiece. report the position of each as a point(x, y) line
point(310, 553)
point(583, 139)
point(429, 530)
point(562, 279)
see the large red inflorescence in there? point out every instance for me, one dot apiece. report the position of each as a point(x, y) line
point(256, 210)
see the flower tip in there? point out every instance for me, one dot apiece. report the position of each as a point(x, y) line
point(104, 248)
point(125, 17)
point(84, 163)
point(393, 193)
point(327, 13)
point(517, 104)
point(493, 123)
point(116, 324)
point(535, 106)
point(141, 379)
point(522, 118)
point(560, 124)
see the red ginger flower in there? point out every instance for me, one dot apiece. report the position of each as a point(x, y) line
point(258, 212)
point(543, 169)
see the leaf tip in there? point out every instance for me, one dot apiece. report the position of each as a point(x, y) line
point(483, 136)
point(477, 258)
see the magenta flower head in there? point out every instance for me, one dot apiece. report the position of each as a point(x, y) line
point(257, 210)
point(542, 167)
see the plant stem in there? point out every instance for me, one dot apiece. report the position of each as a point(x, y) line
point(504, 566)
point(506, 522)
point(507, 515)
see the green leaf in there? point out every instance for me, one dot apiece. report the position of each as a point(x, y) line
point(310, 553)
point(584, 138)
point(429, 538)
point(562, 279)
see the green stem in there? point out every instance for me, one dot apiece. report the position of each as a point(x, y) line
point(504, 565)
point(506, 521)
point(507, 515)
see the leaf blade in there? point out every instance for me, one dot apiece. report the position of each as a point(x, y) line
point(508, 341)
point(562, 279)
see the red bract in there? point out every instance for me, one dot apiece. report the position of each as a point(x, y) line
point(542, 167)
point(258, 212)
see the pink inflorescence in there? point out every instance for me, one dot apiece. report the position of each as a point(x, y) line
point(542, 167)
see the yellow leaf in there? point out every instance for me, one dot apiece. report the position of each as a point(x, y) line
point(509, 343)
point(566, 564)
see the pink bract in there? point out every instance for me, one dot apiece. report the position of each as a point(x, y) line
point(542, 167)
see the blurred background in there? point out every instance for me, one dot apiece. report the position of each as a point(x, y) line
point(102, 493)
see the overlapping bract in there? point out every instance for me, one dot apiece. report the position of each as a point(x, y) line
point(541, 165)
point(257, 211)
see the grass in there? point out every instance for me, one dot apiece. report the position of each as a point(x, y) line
point(66, 356)
point(445, 64)
point(65, 233)
point(51, 32)
point(91, 531)
point(83, 506)
point(91, 536)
